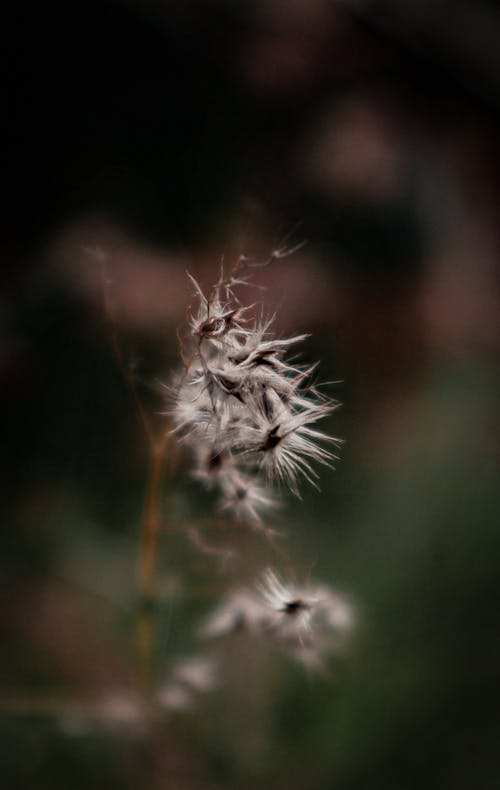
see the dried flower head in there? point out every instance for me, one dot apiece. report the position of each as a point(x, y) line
point(247, 413)
point(307, 621)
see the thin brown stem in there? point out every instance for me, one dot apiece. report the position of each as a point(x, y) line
point(147, 563)
point(150, 522)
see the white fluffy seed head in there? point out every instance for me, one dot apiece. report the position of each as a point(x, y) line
point(307, 621)
point(242, 403)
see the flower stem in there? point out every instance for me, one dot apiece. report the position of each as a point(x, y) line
point(147, 563)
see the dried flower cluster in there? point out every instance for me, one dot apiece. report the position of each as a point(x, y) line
point(247, 412)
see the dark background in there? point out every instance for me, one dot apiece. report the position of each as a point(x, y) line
point(167, 135)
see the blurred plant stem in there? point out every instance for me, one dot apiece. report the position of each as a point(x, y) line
point(147, 562)
point(150, 522)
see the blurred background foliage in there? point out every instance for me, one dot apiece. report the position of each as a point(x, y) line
point(167, 135)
